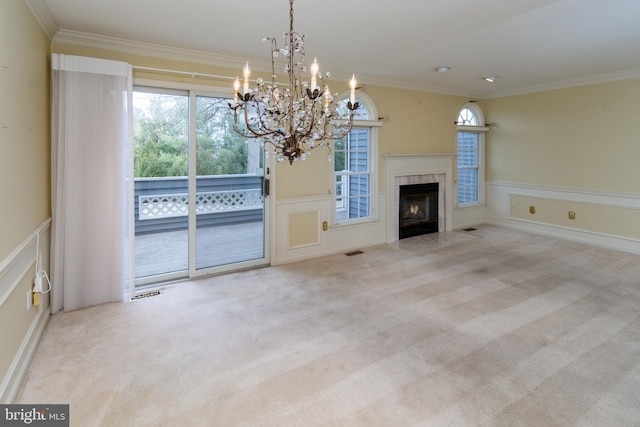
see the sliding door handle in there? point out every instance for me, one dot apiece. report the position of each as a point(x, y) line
point(265, 187)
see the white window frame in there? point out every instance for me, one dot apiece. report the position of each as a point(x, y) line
point(373, 123)
point(480, 129)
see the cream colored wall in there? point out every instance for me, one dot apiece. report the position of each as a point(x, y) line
point(24, 112)
point(570, 149)
point(24, 161)
point(583, 137)
point(417, 123)
point(303, 229)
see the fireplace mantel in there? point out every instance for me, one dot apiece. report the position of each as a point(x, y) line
point(401, 167)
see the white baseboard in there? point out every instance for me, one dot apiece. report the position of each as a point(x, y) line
point(604, 241)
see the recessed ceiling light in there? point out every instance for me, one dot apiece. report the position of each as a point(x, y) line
point(490, 79)
point(442, 69)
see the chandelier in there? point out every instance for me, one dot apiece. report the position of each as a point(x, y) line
point(297, 116)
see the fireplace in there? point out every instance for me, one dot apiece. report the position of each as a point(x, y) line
point(413, 169)
point(418, 210)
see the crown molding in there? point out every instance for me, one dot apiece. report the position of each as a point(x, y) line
point(374, 81)
point(568, 83)
point(96, 41)
point(78, 38)
point(43, 15)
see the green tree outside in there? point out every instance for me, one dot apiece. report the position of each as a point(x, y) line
point(161, 135)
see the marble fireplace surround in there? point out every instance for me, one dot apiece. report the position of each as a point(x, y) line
point(407, 169)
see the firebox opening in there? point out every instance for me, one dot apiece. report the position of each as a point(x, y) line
point(418, 209)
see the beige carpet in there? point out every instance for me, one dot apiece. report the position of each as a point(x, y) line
point(492, 327)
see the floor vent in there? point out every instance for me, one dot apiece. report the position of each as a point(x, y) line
point(469, 229)
point(352, 253)
point(146, 295)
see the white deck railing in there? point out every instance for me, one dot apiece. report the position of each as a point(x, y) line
point(173, 205)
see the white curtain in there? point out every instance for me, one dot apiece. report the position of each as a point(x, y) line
point(91, 134)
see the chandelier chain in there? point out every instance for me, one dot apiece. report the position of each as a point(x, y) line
point(291, 16)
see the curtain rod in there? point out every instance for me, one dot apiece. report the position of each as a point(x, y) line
point(186, 73)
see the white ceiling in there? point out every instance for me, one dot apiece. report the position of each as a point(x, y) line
point(528, 44)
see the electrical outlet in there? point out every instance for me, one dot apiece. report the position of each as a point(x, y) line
point(572, 215)
point(532, 209)
point(325, 226)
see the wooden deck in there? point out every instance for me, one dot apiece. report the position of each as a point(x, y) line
point(167, 252)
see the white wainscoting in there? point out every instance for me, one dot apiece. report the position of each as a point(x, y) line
point(13, 270)
point(337, 239)
point(498, 212)
point(469, 216)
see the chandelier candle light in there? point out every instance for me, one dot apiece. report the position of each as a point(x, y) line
point(295, 117)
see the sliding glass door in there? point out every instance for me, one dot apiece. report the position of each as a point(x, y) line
point(229, 215)
point(161, 146)
point(199, 202)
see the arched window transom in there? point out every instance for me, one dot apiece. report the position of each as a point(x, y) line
point(468, 117)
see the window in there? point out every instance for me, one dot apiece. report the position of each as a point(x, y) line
point(470, 132)
point(468, 168)
point(354, 167)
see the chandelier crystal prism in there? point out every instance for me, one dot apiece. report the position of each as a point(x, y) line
point(295, 117)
